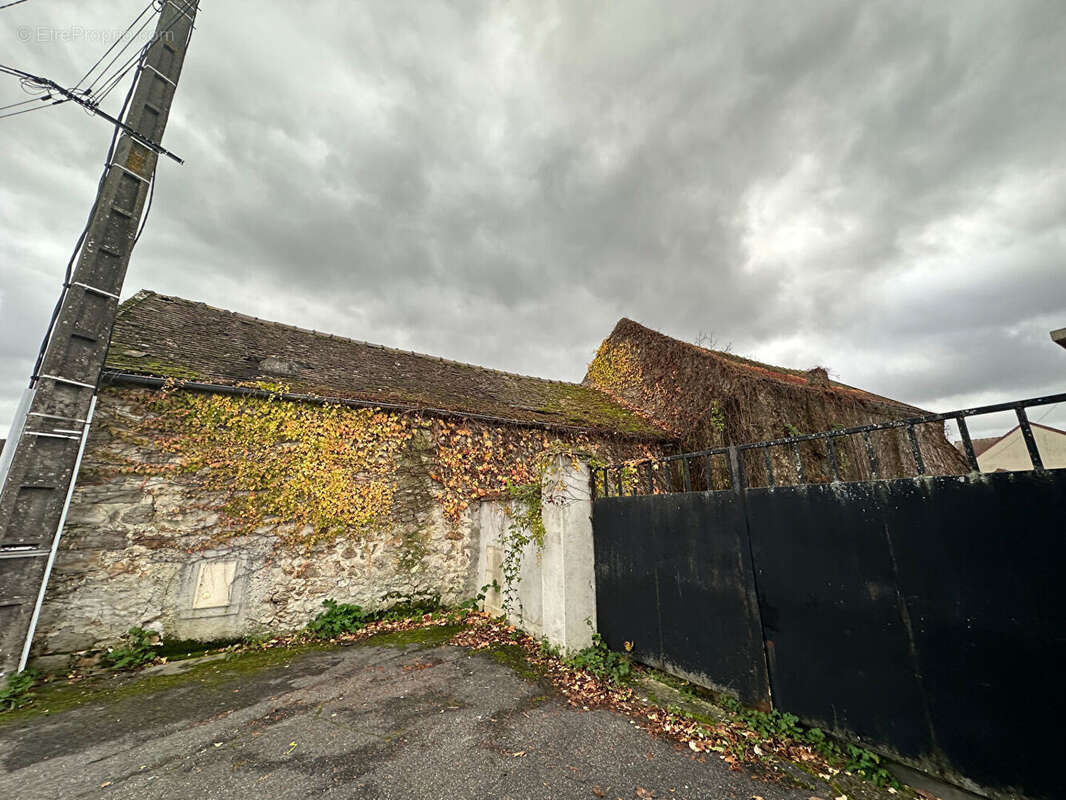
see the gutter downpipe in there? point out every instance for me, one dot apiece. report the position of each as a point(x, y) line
point(55, 541)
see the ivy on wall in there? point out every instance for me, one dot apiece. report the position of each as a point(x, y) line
point(616, 368)
point(329, 470)
point(526, 526)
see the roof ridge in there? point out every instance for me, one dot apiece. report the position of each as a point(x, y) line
point(149, 293)
point(733, 357)
point(1047, 427)
point(135, 301)
point(754, 364)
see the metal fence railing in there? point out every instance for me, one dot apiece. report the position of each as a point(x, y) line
point(782, 462)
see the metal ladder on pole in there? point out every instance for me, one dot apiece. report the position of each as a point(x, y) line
point(40, 463)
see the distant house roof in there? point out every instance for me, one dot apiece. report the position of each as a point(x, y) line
point(1010, 452)
point(169, 337)
point(979, 445)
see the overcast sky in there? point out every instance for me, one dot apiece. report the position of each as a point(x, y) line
point(878, 187)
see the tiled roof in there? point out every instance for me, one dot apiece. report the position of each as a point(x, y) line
point(170, 337)
point(979, 445)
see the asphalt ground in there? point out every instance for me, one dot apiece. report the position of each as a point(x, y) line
point(366, 721)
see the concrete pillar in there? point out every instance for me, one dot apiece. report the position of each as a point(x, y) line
point(568, 571)
point(556, 592)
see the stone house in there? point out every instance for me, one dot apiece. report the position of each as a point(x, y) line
point(708, 398)
point(239, 471)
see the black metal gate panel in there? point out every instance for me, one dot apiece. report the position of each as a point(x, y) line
point(925, 616)
point(981, 567)
point(673, 578)
point(839, 650)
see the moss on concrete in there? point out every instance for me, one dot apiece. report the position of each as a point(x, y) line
point(422, 637)
point(107, 689)
point(514, 656)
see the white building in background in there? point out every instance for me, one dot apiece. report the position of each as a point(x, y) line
point(1008, 453)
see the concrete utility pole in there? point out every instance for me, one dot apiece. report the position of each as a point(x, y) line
point(40, 462)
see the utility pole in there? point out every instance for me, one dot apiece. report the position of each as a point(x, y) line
point(40, 463)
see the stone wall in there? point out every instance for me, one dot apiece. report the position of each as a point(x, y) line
point(152, 550)
point(145, 551)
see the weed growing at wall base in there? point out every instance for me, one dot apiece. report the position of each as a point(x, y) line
point(141, 647)
point(601, 661)
point(775, 725)
point(18, 690)
point(338, 618)
point(344, 618)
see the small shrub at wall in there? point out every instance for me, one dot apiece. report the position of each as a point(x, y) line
point(338, 618)
point(17, 691)
point(341, 618)
point(599, 660)
point(139, 647)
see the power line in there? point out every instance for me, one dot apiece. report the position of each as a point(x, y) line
point(35, 108)
point(8, 5)
point(103, 177)
point(1048, 414)
point(24, 102)
point(118, 55)
point(47, 83)
point(105, 81)
point(29, 80)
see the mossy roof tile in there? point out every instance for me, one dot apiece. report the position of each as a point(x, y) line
point(170, 337)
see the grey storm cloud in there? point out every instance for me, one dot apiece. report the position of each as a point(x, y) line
point(878, 187)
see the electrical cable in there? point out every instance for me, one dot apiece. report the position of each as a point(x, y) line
point(113, 46)
point(138, 59)
point(1048, 414)
point(8, 5)
point(109, 84)
point(147, 210)
point(35, 108)
point(35, 375)
point(23, 102)
point(108, 79)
